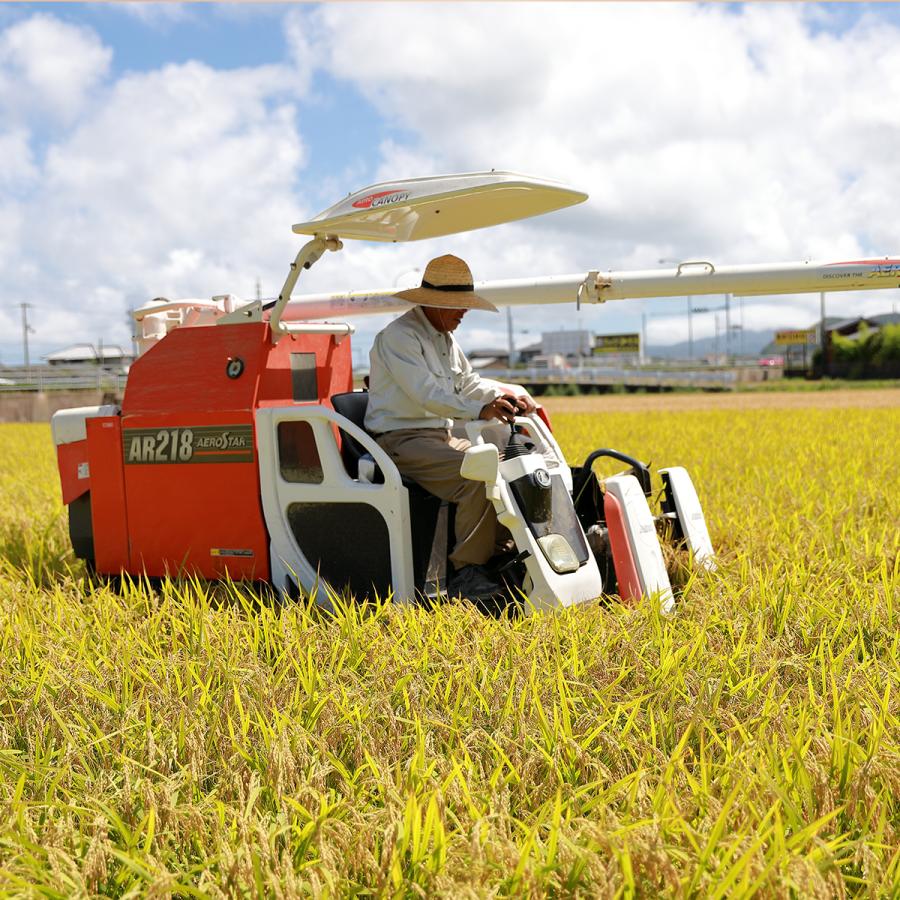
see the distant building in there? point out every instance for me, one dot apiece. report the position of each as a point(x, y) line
point(549, 361)
point(490, 358)
point(571, 343)
point(860, 353)
point(526, 354)
point(113, 356)
point(494, 358)
point(850, 328)
point(797, 359)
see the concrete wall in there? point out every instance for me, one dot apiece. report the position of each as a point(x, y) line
point(28, 406)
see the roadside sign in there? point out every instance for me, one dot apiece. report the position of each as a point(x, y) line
point(617, 343)
point(797, 336)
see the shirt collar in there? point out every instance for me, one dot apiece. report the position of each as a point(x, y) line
point(430, 330)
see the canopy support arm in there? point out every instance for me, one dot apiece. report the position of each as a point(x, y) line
point(309, 253)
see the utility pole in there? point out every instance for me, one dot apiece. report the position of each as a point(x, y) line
point(25, 329)
point(643, 354)
point(822, 319)
point(690, 303)
point(509, 337)
point(132, 330)
point(258, 289)
point(727, 329)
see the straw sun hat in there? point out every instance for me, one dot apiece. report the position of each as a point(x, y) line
point(447, 283)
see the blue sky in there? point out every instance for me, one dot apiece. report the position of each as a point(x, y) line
point(340, 123)
point(162, 149)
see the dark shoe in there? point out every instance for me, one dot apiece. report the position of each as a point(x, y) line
point(472, 582)
point(500, 562)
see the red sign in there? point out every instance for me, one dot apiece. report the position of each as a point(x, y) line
point(380, 199)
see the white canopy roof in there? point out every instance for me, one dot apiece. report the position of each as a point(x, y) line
point(419, 208)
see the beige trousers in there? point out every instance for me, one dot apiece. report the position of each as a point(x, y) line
point(432, 458)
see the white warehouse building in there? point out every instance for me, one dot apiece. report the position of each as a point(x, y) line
point(567, 343)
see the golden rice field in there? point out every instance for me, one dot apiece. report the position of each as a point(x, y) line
point(190, 742)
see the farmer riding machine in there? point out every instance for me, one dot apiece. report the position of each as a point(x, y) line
point(239, 449)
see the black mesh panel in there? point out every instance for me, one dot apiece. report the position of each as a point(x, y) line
point(347, 543)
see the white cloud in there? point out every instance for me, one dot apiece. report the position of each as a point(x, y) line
point(303, 35)
point(48, 68)
point(157, 15)
point(184, 157)
point(740, 134)
point(695, 126)
point(173, 182)
point(17, 166)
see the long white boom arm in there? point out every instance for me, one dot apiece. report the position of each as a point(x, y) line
point(689, 278)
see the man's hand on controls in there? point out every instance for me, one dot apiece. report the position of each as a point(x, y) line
point(504, 408)
point(525, 402)
point(515, 393)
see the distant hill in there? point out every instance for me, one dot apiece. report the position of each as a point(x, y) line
point(753, 342)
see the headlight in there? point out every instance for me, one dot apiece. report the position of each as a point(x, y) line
point(559, 553)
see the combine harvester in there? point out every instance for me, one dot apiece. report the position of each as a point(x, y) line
point(239, 449)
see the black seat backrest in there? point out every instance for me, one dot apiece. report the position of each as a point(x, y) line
point(423, 507)
point(352, 406)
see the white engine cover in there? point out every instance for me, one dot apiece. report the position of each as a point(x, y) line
point(545, 588)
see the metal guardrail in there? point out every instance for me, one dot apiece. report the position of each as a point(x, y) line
point(92, 378)
point(722, 379)
point(41, 379)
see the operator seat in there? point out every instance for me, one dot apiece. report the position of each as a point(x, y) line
point(424, 507)
point(352, 405)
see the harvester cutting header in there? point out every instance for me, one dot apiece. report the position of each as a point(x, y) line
point(240, 450)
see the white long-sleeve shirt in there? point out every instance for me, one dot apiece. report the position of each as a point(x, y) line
point(420, 378)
